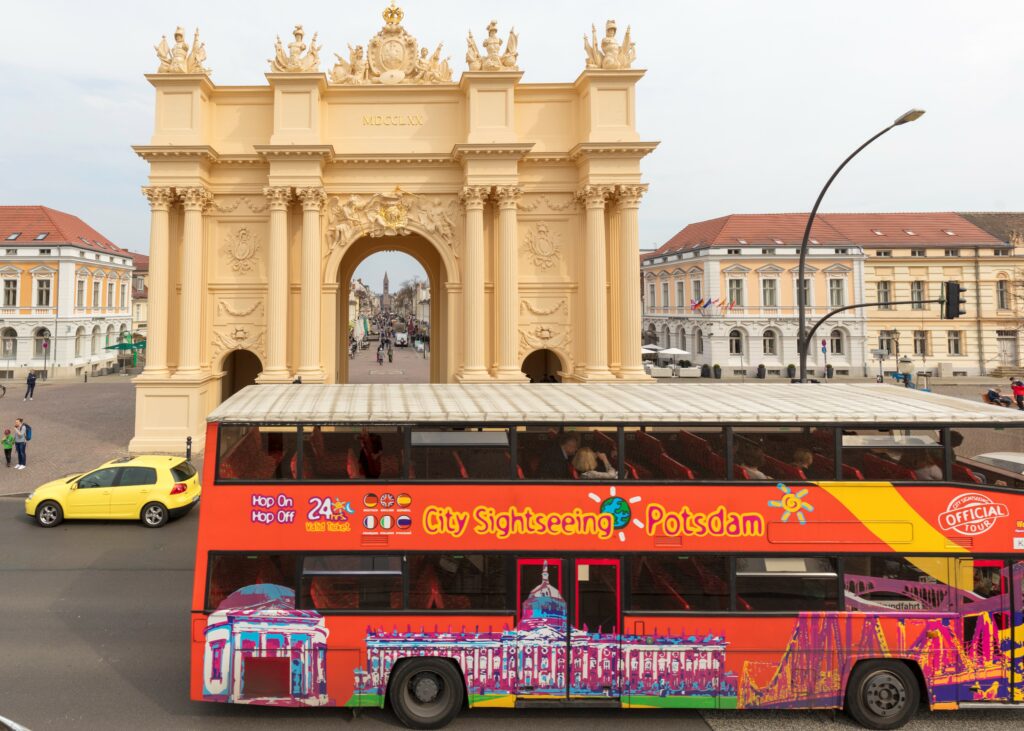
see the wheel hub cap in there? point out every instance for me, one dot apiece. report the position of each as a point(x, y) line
point(425, 688)
point(885, 695)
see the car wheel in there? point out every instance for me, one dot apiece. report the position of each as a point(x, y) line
point(49, 514)
point(427, 693)
point(154, 515)
point(882, 694)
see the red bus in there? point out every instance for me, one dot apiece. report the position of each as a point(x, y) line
point(719, 546)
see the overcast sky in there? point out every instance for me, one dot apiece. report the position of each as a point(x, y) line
point(754, 102)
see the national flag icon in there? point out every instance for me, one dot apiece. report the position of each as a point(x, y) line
point(404, 500)
point(370, 522)
point(387, 500)
point(386, 522)
point(370, 500)
point(404, 522)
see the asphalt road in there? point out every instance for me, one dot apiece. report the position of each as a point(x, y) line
point(94, 628)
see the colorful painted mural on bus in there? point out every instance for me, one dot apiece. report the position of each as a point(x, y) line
point(261, 650)
point(531, 660)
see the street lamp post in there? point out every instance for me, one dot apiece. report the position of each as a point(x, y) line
point(802, 339)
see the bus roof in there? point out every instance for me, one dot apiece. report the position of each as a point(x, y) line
point(639, 403)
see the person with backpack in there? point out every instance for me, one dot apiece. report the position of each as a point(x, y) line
point(30, 386)
point(22, 435)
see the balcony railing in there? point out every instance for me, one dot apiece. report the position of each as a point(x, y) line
point(744, 311)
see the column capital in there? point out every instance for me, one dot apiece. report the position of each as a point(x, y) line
point(593, 196)
point(508, 195)
point(473, 196)
point(160, 199)
point(278, 198)
point(195, 198)
point(628, 196)
point(312, 198)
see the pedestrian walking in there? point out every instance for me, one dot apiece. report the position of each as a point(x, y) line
point(1018, 392)
point(391, 354)
point(21, 437)
point(8, 445)
point(31, 386)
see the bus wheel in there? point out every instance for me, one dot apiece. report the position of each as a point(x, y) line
point(49, 514)
point(154, 515)
point(882, 695)
point(426, 693)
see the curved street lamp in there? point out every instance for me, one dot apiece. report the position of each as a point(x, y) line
point(802, 339)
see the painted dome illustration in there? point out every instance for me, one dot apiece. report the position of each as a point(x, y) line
point(544, 607)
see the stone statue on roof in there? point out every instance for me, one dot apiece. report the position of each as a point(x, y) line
point(298, 59)
point(493, 59)
point(178, 59)
point(608, 54)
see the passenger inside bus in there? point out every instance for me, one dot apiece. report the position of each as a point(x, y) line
point(751, 458)
point(585, 463)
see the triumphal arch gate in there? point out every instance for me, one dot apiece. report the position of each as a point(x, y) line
point(519, 200)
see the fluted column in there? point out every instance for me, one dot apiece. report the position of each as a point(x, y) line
point(277, 287)
point(309, 340)
point(194, 200)
point(160, 201)
point(595, 292)
point(506, 266)
point(473, 368)
point(629, 280)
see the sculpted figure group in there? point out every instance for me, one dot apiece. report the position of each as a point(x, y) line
point(394, 57)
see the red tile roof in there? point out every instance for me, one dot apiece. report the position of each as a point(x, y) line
point(60, 228)
point(857, 229)
point(141, 261)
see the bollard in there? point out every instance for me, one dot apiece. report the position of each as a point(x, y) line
point(188, 448)
point(86, 377)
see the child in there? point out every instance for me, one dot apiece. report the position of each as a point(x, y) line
point(8, 444)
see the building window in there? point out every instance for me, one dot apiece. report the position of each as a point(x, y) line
point(10, 293)
point(770, 343)
point(698, 341)
point(110, 294)
point(954, 343)
point(768, 252)
point(42, 293)
point(41, 342)
point(769, 293)
point(918, 252)
point(45, 252)
point(124, 296)
point(842, 252)
point(836, 342)
point(805, 292)
point(952, 252)
point(697, 289)
point(884, 252)
point(917, 294)
point(664, 294)
point(10, 252)
point(735, 343)
point(884, 290)
point(9, 343)
point(14, 236)
point(80, 293)
point(732, 252)
point(1000, 252)
point(95, 294)
point(682, 339)
point(736, 292)
point(887, 341)
point(1003, 294)
point(79, 339)
point(837, 292)
point(680, 293)
point(920, 342)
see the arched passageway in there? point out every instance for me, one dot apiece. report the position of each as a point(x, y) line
point(240, 370)
point(543, 366)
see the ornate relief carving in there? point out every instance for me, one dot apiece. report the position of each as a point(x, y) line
point(179, 59)
point(234, 337)
point(393, 57)
point(473, 196)
point(230, 207)
point(535, 202)
point(609, 54)
point(493, 59)
point(543, 245)
point(543, 311)
point(294, 61)
point(312, 198)
point(389, 214)
point(1016, 238)
point(159, 198)
point(508, 195)
point(241, 246)
point(224, 307)
point(628, 196)
point(197, 198)
point(593, 196)
point(536, 337)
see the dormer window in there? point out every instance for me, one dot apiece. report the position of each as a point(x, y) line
point(877, 232)
point(778, 241)
point(40, 237)
point(908, 232)
point(742, 241)
point(883, 252)
point(732, 252)
point(14, 236)
point(949, 233)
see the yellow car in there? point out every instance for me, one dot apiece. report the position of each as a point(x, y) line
point(151, 489)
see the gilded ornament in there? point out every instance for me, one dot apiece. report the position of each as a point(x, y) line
point(608, 54)
point(298, 59)
point(178, 59)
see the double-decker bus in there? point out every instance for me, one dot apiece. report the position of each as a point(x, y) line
point(710, 546)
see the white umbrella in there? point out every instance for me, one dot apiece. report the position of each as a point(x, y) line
point(654, 347)
point(674, 351)
point(646, 351)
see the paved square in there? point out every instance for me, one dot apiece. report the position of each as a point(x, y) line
point(408, 366)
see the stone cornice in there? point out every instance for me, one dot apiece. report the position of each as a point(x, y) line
point(292, 78)
point(589, 75)
point(164, 80)
point(489, 78)
point(157, 153)
point(306, 152)
point(516, 150)
point(424, 158)
point(633, 150)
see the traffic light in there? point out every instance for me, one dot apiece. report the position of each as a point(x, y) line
point(953, 300)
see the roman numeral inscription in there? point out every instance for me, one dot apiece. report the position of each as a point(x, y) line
point(393, 120)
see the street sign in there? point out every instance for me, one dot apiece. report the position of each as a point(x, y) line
point(880, 353)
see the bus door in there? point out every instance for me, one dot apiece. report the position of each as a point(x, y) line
point(987, 646)
point(594, 647)
point(542, 628)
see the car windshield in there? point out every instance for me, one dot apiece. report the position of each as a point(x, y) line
point(1005, 464)
point(183, 471)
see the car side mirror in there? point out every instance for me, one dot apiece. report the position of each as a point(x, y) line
point(74, 485)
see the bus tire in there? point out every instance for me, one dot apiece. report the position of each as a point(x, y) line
point(426, 693)
point(154, 515)
point(882, 694)
point(49, 514)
